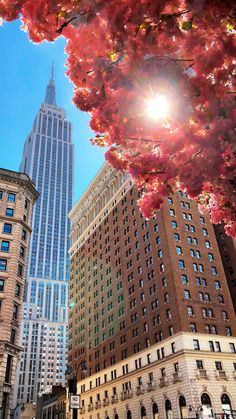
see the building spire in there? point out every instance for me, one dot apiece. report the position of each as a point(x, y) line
point(52, 71)
point(50, 96)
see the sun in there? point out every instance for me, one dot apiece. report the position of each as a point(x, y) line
point(157, 107)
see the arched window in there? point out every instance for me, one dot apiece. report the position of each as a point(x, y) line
point(168, 408)
point(155, 414)
point(183, 408)
point(116, 416)
point(206, 405)
point(226, 404)
point(143, 412)
point(129, 414)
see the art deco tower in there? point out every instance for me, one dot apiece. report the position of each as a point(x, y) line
point(48, 160)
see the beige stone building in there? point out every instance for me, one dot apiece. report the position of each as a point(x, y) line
point(17, 197)
point(178, 378)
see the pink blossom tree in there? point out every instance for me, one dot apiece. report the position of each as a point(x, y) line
point(175, 56)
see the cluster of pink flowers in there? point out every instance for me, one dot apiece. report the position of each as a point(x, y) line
point(122, 53)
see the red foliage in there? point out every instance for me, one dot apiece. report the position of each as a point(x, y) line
point(120, 53)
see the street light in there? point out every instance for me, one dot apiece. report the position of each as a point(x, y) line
point(197, 410)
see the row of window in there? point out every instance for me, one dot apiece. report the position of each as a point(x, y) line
point(11, 197)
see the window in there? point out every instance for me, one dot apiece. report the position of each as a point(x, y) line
point(15, 311)
point(193, 328)
point(20, 270)
point(198, 281)
point(199, 364)
point(173, 347)
point(5, 246)
point(205, 232)
point(184, 279)
point(224, 315)
point(18, 288)
point(198, 254)
point(22, 251)
point(7, 228)
point(172, 212)
point(13, 336)
point(196, 345)
point(232, 348)
point(176, 237)
point(211, 346)
point(220, 299)
point(214, 270)
point(1, 194)
point(8, 369)
point(207, 244)
point(195, 267)
point(9, 212)
point(190, 311)
point(200, 267)
point(217, 285)
point(187, 295)
point(218, 365)
point(2, 282)
point(170, 201)
point(3, 264)
point(228, 331)
point(181, 264)
point(174, 224)
point(217, 346)
point(179, 250)
point(11, 197)
point(24, 234)
point(210, 257)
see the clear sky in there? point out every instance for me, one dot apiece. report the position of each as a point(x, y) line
point(24, 73)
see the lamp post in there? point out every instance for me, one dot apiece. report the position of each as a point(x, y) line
point(197, 410)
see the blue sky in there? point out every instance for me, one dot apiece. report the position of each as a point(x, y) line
point(24, 73)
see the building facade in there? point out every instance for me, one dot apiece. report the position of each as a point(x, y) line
point(138, 283)
point(48, 160)
point(17, 198)
point(53, 404)
point(227, 247)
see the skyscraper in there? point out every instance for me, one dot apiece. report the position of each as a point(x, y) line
point(48, 160)
point(151, 318)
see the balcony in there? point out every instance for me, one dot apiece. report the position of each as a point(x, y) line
point(163, 382)
point(140, 390)
point(151, 386)
point(177, 377)
point(221, 375)
point(202, 374)
point(129, 394)
point(114, 398)
point(123, 395)
point(98, 404)
point(90, 407)
point(105, 402)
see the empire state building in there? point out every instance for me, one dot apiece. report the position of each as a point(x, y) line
point(48, 160)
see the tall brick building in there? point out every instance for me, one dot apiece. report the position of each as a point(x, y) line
point(137, 284)
point(17, 197)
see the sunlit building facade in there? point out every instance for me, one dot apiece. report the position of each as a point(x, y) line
point(17, 198)
point(48, 160)
point(151, 322)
